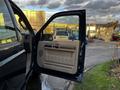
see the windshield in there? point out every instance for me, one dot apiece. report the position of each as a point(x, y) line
point(7, 33)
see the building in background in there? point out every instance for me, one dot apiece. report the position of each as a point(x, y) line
point(93, 30)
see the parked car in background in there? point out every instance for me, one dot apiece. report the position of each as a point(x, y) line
point(61, 35)
point(116, 35)
point(74, 35)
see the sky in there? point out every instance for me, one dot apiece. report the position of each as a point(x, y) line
point(97, 11)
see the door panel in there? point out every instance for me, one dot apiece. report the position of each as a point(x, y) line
point(61, 45)
point(13, 66)
point(10, 49)
point(61, 52)
point(59, 55)
point(12, 60)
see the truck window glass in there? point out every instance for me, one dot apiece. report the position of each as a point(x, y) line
point(7, 31)
point(62, 28)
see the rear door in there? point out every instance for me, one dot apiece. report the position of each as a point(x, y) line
point(63, 57)
point(12, 52)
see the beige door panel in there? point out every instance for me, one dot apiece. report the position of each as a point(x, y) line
point(58, 55)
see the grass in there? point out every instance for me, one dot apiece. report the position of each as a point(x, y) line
point(99, 79)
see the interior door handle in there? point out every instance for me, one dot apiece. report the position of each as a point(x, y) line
point(53, 46)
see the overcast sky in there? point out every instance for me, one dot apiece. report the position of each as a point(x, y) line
point(98, 11)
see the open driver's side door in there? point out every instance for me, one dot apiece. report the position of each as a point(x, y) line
point(63, 53)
